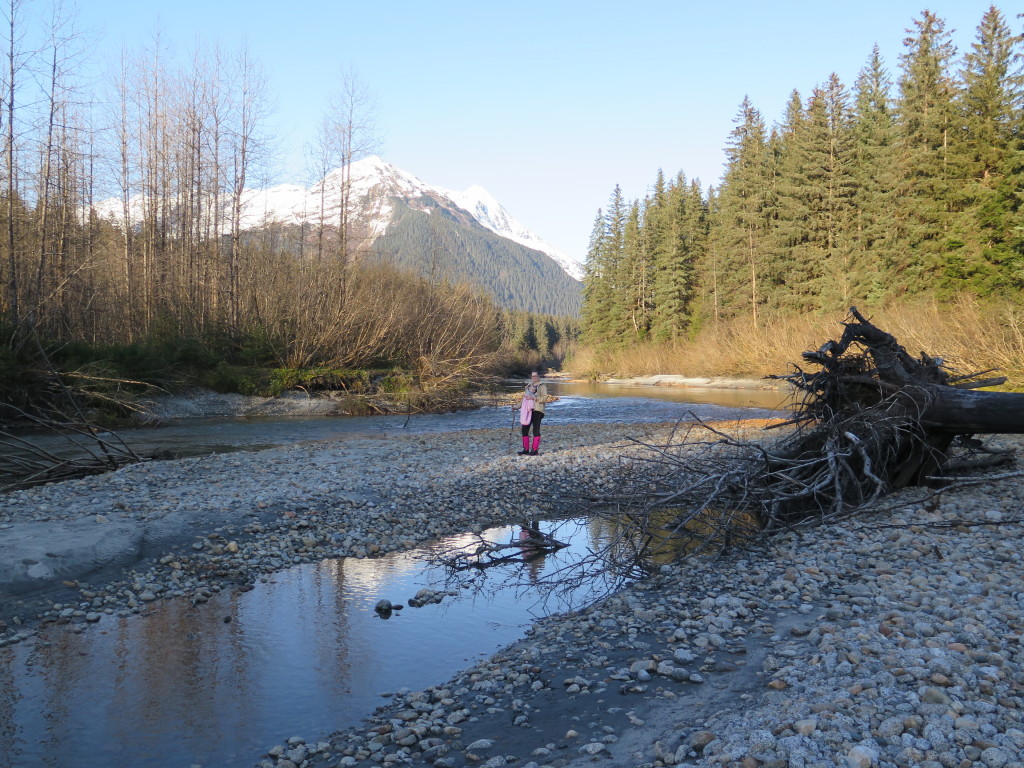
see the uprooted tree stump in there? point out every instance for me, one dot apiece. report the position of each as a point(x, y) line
point(870, 420)
point(873, 420)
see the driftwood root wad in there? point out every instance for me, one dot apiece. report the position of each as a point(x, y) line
point(874, 419)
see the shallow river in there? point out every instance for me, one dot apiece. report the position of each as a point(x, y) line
point(577, 403)
point(303, 653)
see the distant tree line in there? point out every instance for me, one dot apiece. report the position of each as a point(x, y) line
point(538, 341)
point(899, 188)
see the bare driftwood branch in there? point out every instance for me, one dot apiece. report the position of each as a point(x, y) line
point(81, 447)
point(78, 450)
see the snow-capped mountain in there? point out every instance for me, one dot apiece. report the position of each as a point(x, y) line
point(374, 185)
point(489, 212)
point(394, 217)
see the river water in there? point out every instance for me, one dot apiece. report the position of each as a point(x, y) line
point(303, 653)
point(577, 403)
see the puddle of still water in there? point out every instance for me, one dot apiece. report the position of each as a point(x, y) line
point(302, 654)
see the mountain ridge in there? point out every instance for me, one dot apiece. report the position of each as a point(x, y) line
point(291, 202)
point(469, 235)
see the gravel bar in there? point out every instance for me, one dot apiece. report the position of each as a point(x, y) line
point(890, 640)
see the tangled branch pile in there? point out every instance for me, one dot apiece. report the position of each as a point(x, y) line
point(870, 420)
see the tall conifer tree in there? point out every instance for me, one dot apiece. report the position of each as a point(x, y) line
point(682, 248)
point(988, 162)
point(634, 291)
point(794, 270)
point(597, 284)
point(926, 123)
point(742, 216)
point(606, 275)
point(833, 211)
point(657, 218)
point(874, 167)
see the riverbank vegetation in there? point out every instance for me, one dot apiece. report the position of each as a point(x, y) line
point(972, 334)
point(900, 196)
point(129, 262)
point(450, 343)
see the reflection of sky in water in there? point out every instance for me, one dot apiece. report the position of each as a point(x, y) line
point(302, 655)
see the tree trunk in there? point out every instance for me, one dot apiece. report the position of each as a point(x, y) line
point(965, 411)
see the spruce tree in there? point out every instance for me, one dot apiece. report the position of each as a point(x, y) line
point(605, 283)
point(691, 237)
point(683, 236)
point(597, 284)
point(988, 163)
point(637, 275)
point(619, 268)
point(793, 269)
point(741, 221)
point(706, 302)
point(926, 121)
point(832, 134)
point(874, 168)
point(657, 220)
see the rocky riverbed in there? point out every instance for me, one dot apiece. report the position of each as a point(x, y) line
point(892, 640)
point(167, 529)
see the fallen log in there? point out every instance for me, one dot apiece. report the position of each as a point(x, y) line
point(965, 411)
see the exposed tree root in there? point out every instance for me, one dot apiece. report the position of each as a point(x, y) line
point(871, 420)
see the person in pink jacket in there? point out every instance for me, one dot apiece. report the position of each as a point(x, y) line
point(531, 412)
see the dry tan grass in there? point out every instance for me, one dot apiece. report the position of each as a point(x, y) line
point(971, 335)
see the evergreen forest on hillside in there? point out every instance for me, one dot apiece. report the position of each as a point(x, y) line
point(907, 185)
point(513, 275)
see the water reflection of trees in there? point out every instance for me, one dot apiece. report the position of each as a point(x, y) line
point(673, 500)
point(586, 564)
point(179, 681)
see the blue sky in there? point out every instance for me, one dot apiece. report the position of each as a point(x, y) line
point(549, 104)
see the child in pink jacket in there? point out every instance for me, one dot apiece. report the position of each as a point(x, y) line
point(531, 412)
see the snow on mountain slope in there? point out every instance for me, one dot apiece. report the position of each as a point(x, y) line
point(488, 212)
point(374, 185)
